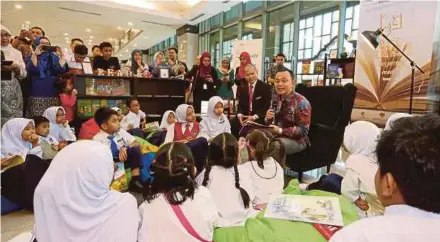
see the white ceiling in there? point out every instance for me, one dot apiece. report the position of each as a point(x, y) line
point(98, 21)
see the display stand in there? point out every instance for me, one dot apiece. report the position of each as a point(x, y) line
point(154, 95)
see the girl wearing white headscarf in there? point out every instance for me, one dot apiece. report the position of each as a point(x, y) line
point(167, 119)
point(186, 130)
point(73, 201)
point(214, 124)
point(393, 118)
point(360, 140)
point(59, 127)
point(11, 96)
point(17, 135)
point(120, 114)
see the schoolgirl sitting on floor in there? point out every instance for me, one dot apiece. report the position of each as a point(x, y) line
point(230, 184)
point(186, 130)
point(173, 197)
point(59, 125)
point(266, 173)
point(215, 122)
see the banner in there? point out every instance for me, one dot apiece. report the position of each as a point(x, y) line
point(255, 49)
point(383, 75)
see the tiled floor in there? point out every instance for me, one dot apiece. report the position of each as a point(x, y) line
point(16, 223)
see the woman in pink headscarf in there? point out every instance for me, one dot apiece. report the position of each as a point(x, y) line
point(206, 82)
point(245, 59)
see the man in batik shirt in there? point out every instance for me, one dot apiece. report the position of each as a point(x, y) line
point(289, 114)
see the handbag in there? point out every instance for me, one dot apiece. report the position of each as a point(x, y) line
point(179, 213)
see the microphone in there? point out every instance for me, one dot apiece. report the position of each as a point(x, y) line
point(274, 104)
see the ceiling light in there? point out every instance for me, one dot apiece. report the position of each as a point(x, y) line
point(192, 2)
point(27, 22)
point(135, 45)
point(65, 34)
point(67, 38)
point(18, 6)
point(91, 37)
point(137, 3)
point(88, 30)
point(119, 27)
point(130, 24)
point(126, 50)
point(145, 37)
point(120, 54)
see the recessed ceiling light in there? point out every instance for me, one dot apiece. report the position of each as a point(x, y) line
point(67, 38)
point(91, 37)
point(18, 6)
point(135, 45)
point(65, 34)
point(119, 27)
point(145, 37)
point(126, 50)
point(27, 22)
point(88, 30)
point(120, 54)
point(130, 24)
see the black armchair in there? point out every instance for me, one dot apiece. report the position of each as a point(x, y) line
point(331, 113)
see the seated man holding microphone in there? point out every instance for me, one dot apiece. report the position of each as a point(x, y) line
point(290, 113)
point(253, 100)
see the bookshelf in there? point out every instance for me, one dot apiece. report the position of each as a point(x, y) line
point(154, 95)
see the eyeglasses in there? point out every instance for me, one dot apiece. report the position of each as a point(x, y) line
point(6, 35)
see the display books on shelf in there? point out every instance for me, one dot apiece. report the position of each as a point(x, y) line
point(96, 104)
point(104, 103)
point(319, 67)
point(306, 66)
point(111, 103)
point(332, 70)
point(310, 209)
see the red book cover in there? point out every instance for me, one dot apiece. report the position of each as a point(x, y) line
point(326, 230)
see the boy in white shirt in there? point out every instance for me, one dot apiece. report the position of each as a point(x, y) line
point(123, 145)
point(135, 118)
point(407, 183)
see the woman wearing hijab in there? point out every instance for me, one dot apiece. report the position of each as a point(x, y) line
point(44, 67)
point(187, 130)
point(11, 95)
point(226, 77)
point(158, 65)
point(59, 126)
point(240, 75)
point(216, 122)
point(205, 82)
point(73, 201)
point(136, 66)
point(21, 162)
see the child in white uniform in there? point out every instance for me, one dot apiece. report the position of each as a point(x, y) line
point(266, 173)
point(134, 119)
point(174, 187)
point(59, 125)
point(407, 183)
point(229, 184)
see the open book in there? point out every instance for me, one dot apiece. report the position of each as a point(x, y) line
point(309, 209)
point(15, 161)
point(251, 126)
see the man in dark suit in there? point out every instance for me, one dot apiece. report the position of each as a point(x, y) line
point(253, 100)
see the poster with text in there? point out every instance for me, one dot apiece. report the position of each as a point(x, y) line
point(383, 75)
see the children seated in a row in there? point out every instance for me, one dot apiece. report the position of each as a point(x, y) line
point(123, 145)
point(215, 122)
point(407, 183)
point(135, 118)
point(186, 130)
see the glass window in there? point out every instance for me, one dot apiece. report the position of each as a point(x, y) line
point(214, 47)
point(252, 6)
point(232, 14)
point(279, 30)
point(287, 41)
point(215, 21)
point(229, 35)
point(274, 3)
point(352, 21)
point(253, 27)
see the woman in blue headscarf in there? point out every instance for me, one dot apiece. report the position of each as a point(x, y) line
point(44, 66)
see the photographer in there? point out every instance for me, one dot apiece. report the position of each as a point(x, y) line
point(44, 66)
point(12, 69)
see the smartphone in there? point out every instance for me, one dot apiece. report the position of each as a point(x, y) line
point(6, 62)
point(49, 48)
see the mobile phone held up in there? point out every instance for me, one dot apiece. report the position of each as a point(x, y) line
point(49, 48)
